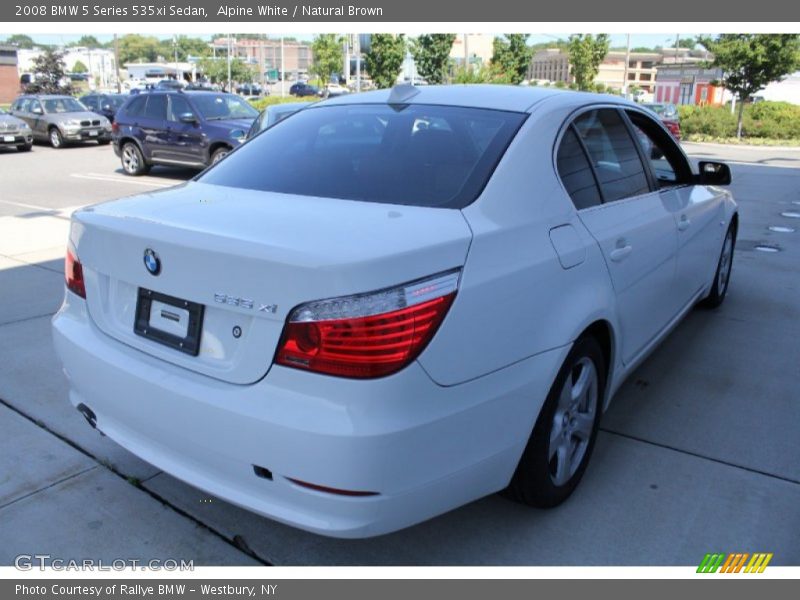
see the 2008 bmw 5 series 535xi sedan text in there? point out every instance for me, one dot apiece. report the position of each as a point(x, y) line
point(393, 303)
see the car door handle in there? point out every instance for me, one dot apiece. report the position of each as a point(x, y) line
point(620, 253)
point(683, 223)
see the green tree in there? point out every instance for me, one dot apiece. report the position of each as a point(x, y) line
point(50, 74)
point(385, 58)
point(88, 41)
point(485, 74)
point(586, 52)
point(138, 48)
point(216, 70)
point(186, 46)
point(750, 62)
point(21, 41)
point(432, 55)
point(513, 56)
point(79, 67)
point(328, 56)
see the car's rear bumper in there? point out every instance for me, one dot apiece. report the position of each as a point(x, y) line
point(422, 448)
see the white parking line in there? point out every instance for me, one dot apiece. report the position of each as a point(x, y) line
point(64, 211)
point(112, 178)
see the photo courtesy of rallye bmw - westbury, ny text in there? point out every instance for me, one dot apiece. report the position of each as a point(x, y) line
point(357, 287)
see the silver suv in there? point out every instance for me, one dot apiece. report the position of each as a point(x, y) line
point(14, 132)
point(61, 119)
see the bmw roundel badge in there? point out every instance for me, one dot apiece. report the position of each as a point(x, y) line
point(151, 262)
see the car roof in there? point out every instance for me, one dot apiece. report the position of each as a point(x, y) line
point(46, 96)
point(498, 97)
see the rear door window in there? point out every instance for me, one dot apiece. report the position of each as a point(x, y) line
point(613, 154)
point(156, 108)
point(437, 156)
point(136, 106)
point(576, 172)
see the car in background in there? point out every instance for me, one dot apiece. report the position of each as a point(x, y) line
point(190, 129)
point(403, 324)
point(104, 104)
point(273, 114)
point(335, 89)
point(14, 132)
point(169, 84)
point(301, 89)
point(249, 89)
point(61, 119)
point(201, 86)
point(668, 114)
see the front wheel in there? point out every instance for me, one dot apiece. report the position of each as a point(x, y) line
point(722, 276)
point(219, 154)
point(563, 438)
point(56, 139)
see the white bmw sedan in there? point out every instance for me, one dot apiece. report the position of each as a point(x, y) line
point(393, 303)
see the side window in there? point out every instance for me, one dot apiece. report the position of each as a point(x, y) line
point(613, 154)
point(90, 102)
point(576, 172)
point(156, 107)
point(136, 107)
point(666, 160)
point(34, 105)
point(23, 105)
point(178, 105)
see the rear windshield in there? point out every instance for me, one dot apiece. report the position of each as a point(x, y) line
point(419, 155)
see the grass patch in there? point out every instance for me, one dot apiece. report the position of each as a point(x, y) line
point(745, 141)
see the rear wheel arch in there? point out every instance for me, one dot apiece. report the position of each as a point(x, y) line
point(128, 138)
point(217, 146)
point(602, 331)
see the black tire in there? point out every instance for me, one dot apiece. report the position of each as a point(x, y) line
point(722, 276)
point(536, 480)
point(55, 137)
point(24, 147)
point(218, 155)
point(133, 162)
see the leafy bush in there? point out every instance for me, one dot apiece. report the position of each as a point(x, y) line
point(773, 120)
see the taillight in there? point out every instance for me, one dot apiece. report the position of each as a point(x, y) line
point(367, 335)
point(73, 272)
point(115, 127)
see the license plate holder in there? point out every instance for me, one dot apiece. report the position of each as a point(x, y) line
point(8, 138)
point(146, 324)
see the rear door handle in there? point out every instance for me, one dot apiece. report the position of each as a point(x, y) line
point(683, 223)
point(620, 253)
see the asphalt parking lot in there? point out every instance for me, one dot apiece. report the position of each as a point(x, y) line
point(699, 452)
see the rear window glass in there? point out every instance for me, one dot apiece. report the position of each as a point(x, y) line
point(419, 155)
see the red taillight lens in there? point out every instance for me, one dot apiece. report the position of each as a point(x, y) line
point(73, 272)
point(377, 339)
point(115, 127)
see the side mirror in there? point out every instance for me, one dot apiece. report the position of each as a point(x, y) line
point(188, 117)
point(37, 110)
point(714, 173)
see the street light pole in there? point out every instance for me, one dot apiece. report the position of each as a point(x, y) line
point(283, 72)
point(625, 73)
point(229, 64)
point(116, 63)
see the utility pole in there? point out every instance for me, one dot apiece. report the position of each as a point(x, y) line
point(358, 62)
point(229, 64)
point(116, 63)
point(625, 73)
point(283, 72)
point(466, 52)
point(175, 50)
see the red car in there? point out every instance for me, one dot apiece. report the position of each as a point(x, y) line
point(668, 115)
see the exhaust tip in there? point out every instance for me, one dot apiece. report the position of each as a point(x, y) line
point(88, 414)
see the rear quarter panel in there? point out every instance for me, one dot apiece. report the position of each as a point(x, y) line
point(515, 298)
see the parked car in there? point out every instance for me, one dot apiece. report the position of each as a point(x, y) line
point(668, 114)
point(61, 119)
point(304, 89)
point(169, 84)
point(334, 89)
point(272, 114)
point(104, 104)
point(404, 323)
point(201, 86)
point(193, 129)
point(15, 132)
point(249, 89)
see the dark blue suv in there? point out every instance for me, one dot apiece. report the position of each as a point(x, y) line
point(190, 129)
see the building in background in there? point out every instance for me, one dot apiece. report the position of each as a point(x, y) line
point(550, 64)
point(689, 84)
point(9, 76)
point(478, 47)
point(787, 90)
point(154, 72)
point(99, 63)
point(265, 55)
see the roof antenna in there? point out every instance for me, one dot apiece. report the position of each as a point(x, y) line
point(402, 93)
